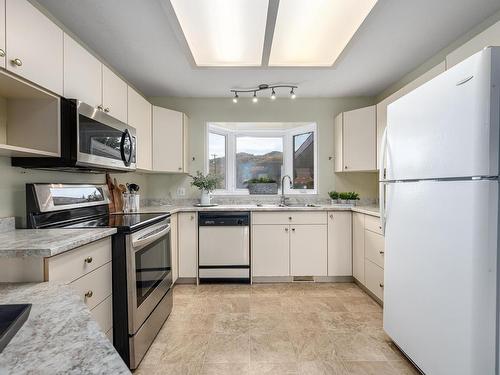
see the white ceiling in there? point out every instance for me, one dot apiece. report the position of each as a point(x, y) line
point(137, 38)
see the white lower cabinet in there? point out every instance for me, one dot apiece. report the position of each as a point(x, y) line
point(270, 250)
point(88, 271)
point(358, 246)
point(187, 224)
point(174, 247)
point(339, 243)
point(308, 250)
point(374, 279)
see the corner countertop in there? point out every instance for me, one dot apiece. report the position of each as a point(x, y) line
point(59, 337)
point(47, 242)
point(172, 209)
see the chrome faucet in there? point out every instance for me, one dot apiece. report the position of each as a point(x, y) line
point(283, 198)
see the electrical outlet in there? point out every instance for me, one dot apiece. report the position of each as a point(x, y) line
point(181, 192)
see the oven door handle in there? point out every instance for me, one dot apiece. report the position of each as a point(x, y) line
point(150, 237)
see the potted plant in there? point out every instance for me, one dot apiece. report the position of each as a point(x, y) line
point(206, 184)
point(334, 197)
point(352, 197)
point(343, 198)
point(263, 186)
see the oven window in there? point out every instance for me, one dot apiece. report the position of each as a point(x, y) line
point(99, 139)
point(152, 265)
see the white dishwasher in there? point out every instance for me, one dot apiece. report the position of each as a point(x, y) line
point(224, 246)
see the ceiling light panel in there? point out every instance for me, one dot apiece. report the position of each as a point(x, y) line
point(315, 32)
point(223, 32)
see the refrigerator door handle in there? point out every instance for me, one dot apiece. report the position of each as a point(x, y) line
point(381, 171)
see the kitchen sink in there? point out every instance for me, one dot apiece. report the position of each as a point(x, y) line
point(12, 317)
point(291, 205)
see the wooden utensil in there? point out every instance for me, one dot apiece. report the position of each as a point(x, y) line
point(109, 182)
point(117, 197)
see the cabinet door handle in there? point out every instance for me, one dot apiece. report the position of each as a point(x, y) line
point(192, 217)
point(289, 218)
point(100, 107)
point(88, 260)
point(2, 53)
point(293, 229)
point(180, 168)
point(286, 229)
point(345, 166)
point(89, 294)
point(106, 109)
point(381, 285)
point(381, 252)
point(17, 62)
point(331, 216)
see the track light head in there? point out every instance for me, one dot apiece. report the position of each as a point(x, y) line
point(255, 99)
point(292, 94)
point(235, 99)
point(273, 95)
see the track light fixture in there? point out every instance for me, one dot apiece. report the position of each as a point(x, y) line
point(261, 87)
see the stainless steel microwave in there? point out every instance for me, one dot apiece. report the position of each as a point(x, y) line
point(91, 140)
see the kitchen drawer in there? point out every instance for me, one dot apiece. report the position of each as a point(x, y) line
point(374, 247)
point(73, 264)
point(103, 314)
point(289, 217)
point(373, 223)
point(96, 283)
point(374, 279)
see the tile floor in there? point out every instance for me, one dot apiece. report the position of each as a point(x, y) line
point(297, 328)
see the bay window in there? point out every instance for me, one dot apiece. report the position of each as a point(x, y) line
point(240, 152)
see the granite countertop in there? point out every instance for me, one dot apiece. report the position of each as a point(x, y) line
point(172, 209)
point(59, 337)
point(47, 242)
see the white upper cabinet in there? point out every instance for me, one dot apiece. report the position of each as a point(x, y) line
point(339, 243)
point(169, 143)
point(489, 37)
point(357, 136)
point(82, 74)
point(140, 117)
point(34, 46)
point(114, 94)
point(2, 33)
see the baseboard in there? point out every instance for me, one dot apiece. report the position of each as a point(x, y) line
point(367, 291)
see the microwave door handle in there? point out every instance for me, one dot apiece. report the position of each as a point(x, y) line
point(126, 134)
point(147, 239)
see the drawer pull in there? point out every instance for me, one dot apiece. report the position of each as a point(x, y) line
point(88, 260)
point(17, 62)
point(293, 229)
point(381, 285)
point(2, 53)
point(106, 109)
point(100, 107)
point(89, 294)
point(289, 218)
point(381, 252)
point(286, 229)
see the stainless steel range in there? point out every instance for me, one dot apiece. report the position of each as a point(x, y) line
point(142, 265)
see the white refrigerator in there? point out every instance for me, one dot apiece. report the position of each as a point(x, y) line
point(439, 209)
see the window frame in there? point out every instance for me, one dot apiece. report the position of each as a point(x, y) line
point(287, 167)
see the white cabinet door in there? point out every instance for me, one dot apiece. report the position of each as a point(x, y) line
point(339, 243)
point(188, 244)
point(270, 250)
point(308, 250)
point(339, 160)
point(114, 94)
point(185, 143)
point(2, 34)
point(168, 140)
point(34, 46)
point(174, 247)
point(82, 74)
point(358, 247)
point(140, 117)
point(359, 139)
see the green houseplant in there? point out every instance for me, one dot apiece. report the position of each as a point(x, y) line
point(343, 197)
point(206, 184)
point(263, 186)
point(352, 197)
point(334, 196)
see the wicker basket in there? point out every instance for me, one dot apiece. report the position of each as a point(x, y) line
point(263, 188)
